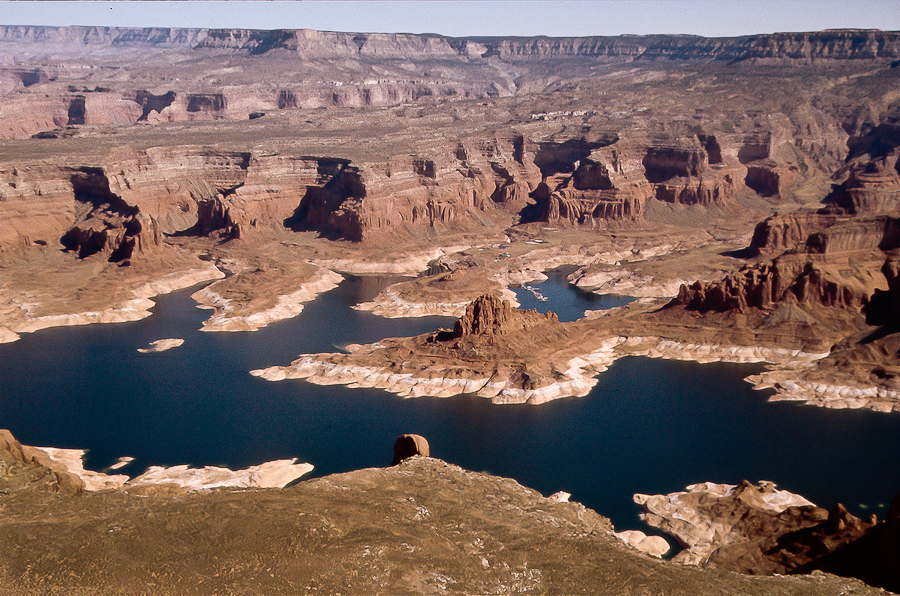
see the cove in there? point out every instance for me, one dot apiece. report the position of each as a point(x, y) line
point(650, 426)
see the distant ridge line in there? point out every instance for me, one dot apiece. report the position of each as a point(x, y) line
point(832, 44)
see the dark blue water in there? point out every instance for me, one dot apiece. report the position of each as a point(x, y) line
point(649, 426)
point(567, 301)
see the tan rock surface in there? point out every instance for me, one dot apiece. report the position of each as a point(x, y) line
point(708, 516)
point(25, 467)
point(180, 479)
point(240, 306)
point(161, 345)
point(424, 526)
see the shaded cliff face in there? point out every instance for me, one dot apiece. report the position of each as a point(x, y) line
point(763, 286)
point(761, 530)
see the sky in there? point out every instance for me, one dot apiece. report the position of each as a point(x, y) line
point(712, 18)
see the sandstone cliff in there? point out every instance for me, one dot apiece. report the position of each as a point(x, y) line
point(823, 45)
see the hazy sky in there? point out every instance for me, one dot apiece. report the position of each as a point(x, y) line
point(481, 17)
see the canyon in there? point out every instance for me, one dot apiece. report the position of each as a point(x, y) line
point(423, 526)
point(745, 190)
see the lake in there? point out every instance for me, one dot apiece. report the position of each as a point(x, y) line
point(651, 426)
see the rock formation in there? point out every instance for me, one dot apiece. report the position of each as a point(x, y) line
point(161, 345)
point(710, 516)
point(175, 480)
point(421, 526)
point(407, 446)
point(62, 471)
point(24, 467)
point(761, 530)
point(764, 286)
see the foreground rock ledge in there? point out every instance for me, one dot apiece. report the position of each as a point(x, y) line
point(422, 527)
point(762, 530)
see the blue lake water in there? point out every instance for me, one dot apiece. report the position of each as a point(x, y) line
point(649, 426)
point(567, 301)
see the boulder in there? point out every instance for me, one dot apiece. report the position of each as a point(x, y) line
point(407, 446)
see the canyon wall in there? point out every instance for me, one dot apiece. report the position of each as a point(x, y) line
point(822, 45)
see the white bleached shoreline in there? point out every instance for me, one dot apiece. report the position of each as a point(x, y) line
point(286, 307)
point(131, 310)
point(576, 377)
point(272, 474)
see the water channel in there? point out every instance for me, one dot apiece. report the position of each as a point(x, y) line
point(651, 426)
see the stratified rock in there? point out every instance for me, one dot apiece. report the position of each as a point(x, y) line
point(24, 467)
point(776, 234)
point(763, 286)
point(407, 446)
point(487, 315)
point(873, 179)
point(884, 307)
point(710, 516)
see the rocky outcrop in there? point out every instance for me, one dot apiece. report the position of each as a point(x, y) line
point(407, 446)
point(761, 530)
point(697, 192)
point(420, 527)
point(871, 192)
point(710, 516)
point(161, 345)
point(176, 480)
point(753, 529)
point(823, 233)
point(24, 467)
point(495, 351)
point(872, 184)
point(861, 370)
point(763, 286)
point(655, 546)
point(683, 171)
point(487, 316)
point(777, 234)
point(768, 179)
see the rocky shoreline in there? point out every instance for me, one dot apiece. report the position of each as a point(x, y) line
point(579, 374)
point(413, 507)
point(158, 480)
point(287, 305)
point(131, 310)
